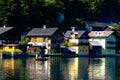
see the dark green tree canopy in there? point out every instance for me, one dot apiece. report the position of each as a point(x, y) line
point(35, 13)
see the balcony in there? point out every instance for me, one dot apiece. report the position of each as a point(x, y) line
point(37, 43)
point(73, 41)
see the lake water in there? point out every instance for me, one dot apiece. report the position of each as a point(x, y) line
point(60, 68)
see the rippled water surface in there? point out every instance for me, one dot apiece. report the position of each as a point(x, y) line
point(59, 68)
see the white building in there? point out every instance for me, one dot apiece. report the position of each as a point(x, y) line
point(78, 40)
point(104, 40)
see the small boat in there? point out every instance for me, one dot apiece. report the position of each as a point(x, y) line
point(40, 59)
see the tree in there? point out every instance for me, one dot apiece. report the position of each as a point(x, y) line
point(24, 40)
point(6, 7)
point(117, 29)
point(80, 23)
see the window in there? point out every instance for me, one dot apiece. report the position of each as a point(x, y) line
point(10, 47)
point(35, 39)
point(86, 50)
point(44, 39)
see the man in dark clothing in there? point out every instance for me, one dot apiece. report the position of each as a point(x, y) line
point(42, 52)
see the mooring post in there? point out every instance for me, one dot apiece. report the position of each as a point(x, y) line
point(1, 55)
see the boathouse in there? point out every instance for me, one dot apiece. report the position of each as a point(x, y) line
point(102, 42)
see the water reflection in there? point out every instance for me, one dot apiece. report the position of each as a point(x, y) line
point(59, 68)
point(38, 70)
point(70, 69)
point(11, 69)
point(75, 68)
point(101, 69)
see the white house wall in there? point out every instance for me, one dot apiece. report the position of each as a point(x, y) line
point(102, 41)
point(81, 49)
point(76, 41)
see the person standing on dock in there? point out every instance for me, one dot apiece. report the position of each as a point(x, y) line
point(42, 51)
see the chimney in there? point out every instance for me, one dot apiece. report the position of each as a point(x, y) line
point(73, 29)
point(4, 26)
point(44, 26)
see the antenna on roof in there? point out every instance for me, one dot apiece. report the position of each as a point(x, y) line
point(4, 26)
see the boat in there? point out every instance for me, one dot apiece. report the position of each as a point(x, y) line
point(67, 51)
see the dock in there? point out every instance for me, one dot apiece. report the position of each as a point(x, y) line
point(60, 55)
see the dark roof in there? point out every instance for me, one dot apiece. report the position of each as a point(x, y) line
point(79, 34)
point(100, 33)
point(109, 26)
point(99, 24)
point(5, 29)
point(42, 31)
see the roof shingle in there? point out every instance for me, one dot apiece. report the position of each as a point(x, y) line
point(79, 34)
point(41, 32)
point(100, 33)
point(5, 29)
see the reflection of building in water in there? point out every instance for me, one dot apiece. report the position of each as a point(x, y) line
point(101, 69)
point(70, 70)
point(97, 69)
point(117, 68)
point(8, 66)
point(38, 70)
point(10, 69)
point(56, 68)
point(83, 69)
point(75, 69)
point(0, 61)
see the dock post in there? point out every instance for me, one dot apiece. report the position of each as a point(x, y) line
point(1, 55)
point(12, 54)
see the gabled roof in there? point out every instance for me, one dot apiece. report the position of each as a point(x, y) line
point(79, 34)
point(42, 31)
point(100, 33)
point(99, 26)
point(109, 26)
point(5, 29)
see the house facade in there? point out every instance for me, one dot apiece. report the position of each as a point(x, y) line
point(102, 42)
point(47, 37)
point(9, 39)
point(78, 40)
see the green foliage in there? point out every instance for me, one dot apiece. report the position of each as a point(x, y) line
point(49, 2)
point(79, 22)
point(65, 43)
point(35, 13)
point(24, 40)
point(117, 28)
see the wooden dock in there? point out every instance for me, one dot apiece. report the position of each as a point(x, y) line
point(61, 55)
